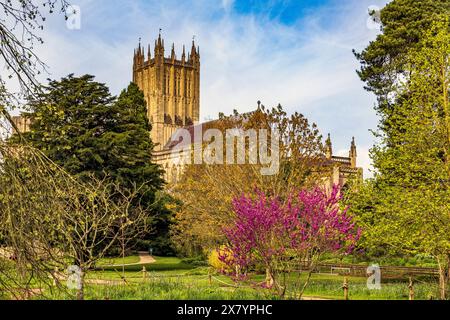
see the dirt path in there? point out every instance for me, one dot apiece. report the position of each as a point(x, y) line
point(144, 258)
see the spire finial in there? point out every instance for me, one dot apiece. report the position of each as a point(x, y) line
point(328, 147)
point(183, 55)
point(173, 51)
point(352, 153)
point(159, 38)
point(193, 45)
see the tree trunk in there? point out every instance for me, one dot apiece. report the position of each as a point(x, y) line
point(306, 283)
point(443, 276)
point(269, 278)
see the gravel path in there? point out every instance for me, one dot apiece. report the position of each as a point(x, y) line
point(144, 258)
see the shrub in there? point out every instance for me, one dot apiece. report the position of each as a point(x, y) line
point(216, 259)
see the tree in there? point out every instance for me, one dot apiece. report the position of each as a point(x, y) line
point(19, 26)
point(128, 147)
point(207, 190)
point(80, 126)
point(384, 61)
point(50, 221)
point(405, 209)
point(290, 234)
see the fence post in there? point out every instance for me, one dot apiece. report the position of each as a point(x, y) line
point(144, 273)
point(411, 289)
point(345, 287)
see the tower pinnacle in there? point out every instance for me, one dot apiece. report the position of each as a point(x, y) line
point(328, 147)
point(352, 153)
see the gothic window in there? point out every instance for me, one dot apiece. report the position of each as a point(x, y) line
point(179, 172)
point(178, 121)
point(167, 119)
point(189, 88)
point(174, 174)
point(168, 84)
point(174, 85)
point(165, 83)
point(166, 172)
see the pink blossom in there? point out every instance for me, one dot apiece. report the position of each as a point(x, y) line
point(267, 229)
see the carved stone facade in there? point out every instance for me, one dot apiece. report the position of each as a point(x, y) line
point(171, 88)
point(344, 168)
point(172, 159)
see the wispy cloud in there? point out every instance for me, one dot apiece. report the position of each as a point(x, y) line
point(307, 65)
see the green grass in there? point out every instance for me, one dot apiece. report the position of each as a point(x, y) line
point(170, 285)
point(411, 261)
point(165, 289)
point(161, 264)
point(173, 278)
point(194, 284)
point(118, 261)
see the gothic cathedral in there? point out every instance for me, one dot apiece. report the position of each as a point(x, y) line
point(171, 88)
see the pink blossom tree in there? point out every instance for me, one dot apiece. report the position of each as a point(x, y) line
point(283, 235)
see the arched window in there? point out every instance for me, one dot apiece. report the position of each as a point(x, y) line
point(173, 178)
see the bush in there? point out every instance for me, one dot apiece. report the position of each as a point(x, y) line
point(215, 261)
point(198, 261)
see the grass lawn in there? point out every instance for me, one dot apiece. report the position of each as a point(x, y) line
point(118, 261)
point(172, 278)
point(162, 263)
point(166, 281)
point(179, 284)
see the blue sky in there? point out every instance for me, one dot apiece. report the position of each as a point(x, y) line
point(285, 11)
point(294, 52)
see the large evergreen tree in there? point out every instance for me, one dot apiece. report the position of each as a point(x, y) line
point(384, 61)
point(79, 125)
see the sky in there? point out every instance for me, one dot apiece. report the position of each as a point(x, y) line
point(294, 52)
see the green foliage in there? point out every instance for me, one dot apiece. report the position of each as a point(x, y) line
point(405, 208)
point(80, 126)
point(385, 59)
point(159, 240)
point(214, 259)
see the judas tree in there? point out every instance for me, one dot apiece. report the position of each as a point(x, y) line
point(283, 235)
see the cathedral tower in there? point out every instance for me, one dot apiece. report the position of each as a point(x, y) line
point(171, 88)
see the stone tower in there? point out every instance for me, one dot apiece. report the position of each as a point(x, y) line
point(171, 88)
